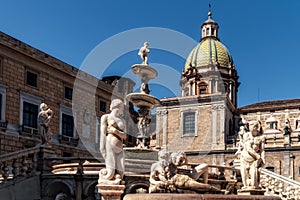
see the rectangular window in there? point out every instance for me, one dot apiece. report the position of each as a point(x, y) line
point(189, 123)
point(67, 125)
point(68, 93)
point(31, 79)
point(30, 114)
point(298, 171)
point(102, 106)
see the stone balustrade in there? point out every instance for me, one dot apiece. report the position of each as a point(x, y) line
point(29, 132)
point(281, 186)
point(18, 164)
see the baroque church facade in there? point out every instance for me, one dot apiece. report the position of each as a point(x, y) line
point(205, 121)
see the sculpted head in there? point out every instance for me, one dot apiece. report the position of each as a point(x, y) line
point(43, 106)
point(178, 158)
point(163, 155)
point(146, 44)
point(116, 103)
point(255, 127)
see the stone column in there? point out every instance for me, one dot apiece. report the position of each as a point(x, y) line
point(214, 126)
point(111, 192)
point(214, 162)
point(286, 165)
point(221, 127)
point(164, 114)
point(158, 128)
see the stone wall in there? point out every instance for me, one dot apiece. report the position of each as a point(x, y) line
point(53, 75)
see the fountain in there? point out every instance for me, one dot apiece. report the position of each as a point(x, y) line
point(143, 100)
point(170, 172)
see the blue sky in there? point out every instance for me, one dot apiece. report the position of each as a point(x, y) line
point(261, 35)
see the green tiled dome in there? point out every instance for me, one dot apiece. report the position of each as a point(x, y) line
point(209, 50)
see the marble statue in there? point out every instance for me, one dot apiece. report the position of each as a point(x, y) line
point(243, 129)
point(165, 178)
point(160, 179)
point(143, 53)
point(287, 127)
point(44, 118)
point(252, 156)
point(111, 144)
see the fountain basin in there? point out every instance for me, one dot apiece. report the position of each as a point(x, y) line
point(140, 154)
point(141, 100)
point(144, 71)
point(71, 168)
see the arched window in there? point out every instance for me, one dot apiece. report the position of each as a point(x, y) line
point(202, 88)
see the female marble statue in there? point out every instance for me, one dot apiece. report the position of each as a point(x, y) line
point(111, 144)
point(252, 155)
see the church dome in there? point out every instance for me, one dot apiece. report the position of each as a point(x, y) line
point(209, 51)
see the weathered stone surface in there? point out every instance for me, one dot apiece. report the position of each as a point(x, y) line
point(196, 196)
point(111, 192)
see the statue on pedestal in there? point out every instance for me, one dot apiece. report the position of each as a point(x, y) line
point(252, 156)
point(111, 146)
point(287, 127)
point(44, 118)
point(143, 53)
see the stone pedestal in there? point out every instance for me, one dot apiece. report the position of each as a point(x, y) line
point(110, 192)
point(251, 192)
point(44, 165)
point(287, 140)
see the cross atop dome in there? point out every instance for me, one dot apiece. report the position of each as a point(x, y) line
point(209, 11)
point(209, 27)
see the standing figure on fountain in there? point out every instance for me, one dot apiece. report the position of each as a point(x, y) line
point(111, 146)
point(143, 53)
point(252, 156)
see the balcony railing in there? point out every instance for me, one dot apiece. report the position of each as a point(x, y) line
point(29, 131)
point(18, 164)
point(276, 184)
point(63, 139)
point(3, 125)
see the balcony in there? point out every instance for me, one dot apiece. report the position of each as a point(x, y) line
point(3, 125)
point(29, 132)
point(68, 140)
